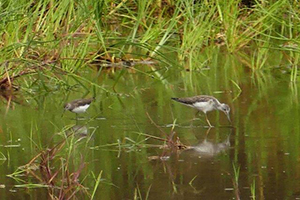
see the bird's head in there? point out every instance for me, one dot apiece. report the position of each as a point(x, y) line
point(67, 106)
point(226, 109)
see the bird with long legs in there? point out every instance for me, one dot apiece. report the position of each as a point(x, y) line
point(205, 104)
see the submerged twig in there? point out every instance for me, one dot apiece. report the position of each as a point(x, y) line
point(171, 142)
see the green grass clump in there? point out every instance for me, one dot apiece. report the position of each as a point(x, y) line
point(53, 37)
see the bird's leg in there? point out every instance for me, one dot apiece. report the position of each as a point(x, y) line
point(208, 121)
point(76, 118)
point(196, 115)
point(194, 118)
point(207, 132)
point(88, 114)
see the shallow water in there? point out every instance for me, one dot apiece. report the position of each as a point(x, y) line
point(263, 142)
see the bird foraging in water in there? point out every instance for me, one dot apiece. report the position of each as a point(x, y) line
point(205, 104)
point(78, 105)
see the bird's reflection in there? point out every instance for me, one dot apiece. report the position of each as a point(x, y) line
point(210, 149)
point(79, 131)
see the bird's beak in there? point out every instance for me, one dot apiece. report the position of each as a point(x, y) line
point(228, 117)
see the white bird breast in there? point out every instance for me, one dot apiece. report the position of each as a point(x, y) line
point(204, 106)
point(81, 109)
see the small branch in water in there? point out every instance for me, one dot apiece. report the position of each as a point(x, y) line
point(173, 144)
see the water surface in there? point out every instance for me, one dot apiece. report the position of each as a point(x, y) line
point(263, 142)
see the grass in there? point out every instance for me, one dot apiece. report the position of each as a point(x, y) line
point(2, 157)
point(252, 188)
point(138, 195)
point(55, 169)
point(96, 185)
point(235, 180)
point(66, 36)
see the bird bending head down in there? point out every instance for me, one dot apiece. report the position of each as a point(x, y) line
point(205, 104)
point(226, 109)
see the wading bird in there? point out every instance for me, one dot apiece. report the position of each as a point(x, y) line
point(205, 104)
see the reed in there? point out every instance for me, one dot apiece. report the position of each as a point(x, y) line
point(50, 39)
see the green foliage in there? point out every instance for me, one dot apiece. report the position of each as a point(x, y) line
point(69, 35)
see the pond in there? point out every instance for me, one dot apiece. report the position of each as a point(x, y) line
point(129, 130)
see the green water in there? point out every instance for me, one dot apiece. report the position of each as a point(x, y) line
point(263, 144)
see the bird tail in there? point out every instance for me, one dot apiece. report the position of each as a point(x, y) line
point(175, 99)
point(183, 101)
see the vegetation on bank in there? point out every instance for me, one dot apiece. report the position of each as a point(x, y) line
point(49, 38)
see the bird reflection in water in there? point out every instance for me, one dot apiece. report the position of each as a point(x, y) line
point(210, 149)
point(79, 131)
